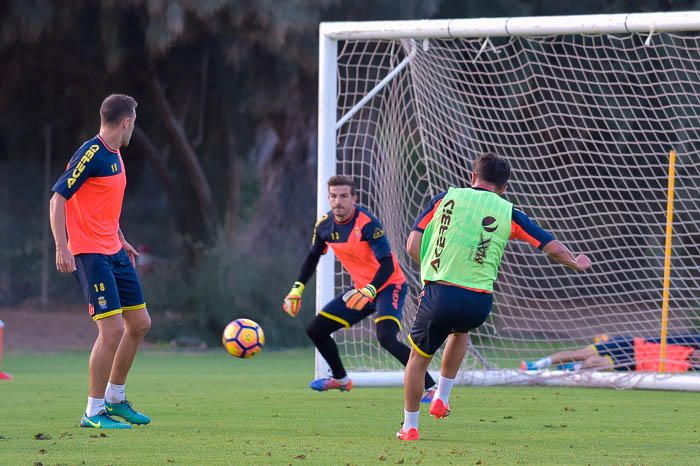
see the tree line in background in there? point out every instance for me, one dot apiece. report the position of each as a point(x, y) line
point(222, 164)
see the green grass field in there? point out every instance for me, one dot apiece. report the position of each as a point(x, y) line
point(209, 408)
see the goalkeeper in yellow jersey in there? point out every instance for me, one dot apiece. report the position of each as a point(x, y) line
point(358, 241)
point(459, 242)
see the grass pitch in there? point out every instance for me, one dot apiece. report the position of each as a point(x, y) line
point(211, 409)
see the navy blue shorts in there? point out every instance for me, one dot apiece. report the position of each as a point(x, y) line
point(619, 351)
point(388, 305)
point(109, 283)
point(445, 309)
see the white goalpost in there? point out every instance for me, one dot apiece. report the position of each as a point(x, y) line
point(587, 110)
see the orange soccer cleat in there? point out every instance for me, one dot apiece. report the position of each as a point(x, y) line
point(438, 409)
point(409, 435)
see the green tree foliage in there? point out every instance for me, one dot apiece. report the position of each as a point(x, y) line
point(223, 158)
point(224, 153)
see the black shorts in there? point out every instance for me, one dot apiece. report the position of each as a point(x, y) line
point(387, 305)
point(445, 309)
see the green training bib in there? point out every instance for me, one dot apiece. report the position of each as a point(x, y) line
point(464, 242)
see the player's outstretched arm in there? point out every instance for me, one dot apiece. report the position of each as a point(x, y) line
point(65, 262)
point(292, 302)
point(561, 254)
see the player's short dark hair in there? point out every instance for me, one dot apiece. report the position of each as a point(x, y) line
point(492, 168)
point(116, 107)
point(340, 180)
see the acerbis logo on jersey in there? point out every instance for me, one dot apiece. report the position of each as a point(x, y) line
point(378, 233)
point(87, 156)
point(445, 220)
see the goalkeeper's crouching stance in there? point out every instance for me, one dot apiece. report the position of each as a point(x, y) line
point(358, 241)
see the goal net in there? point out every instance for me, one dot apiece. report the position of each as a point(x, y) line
point(587, 122)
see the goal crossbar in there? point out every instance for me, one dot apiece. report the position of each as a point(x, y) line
point(514, 26)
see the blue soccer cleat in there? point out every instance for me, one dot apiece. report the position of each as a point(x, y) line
point(527, 366)
point(569, 366)
point(124, 410)
point(429, 395)
point(102, 420)
point(322, 385)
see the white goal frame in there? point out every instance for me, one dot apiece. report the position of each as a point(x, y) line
point(329, 121)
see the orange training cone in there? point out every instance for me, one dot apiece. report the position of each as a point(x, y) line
point(3, 375)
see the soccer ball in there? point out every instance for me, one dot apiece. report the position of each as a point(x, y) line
point(243, 338)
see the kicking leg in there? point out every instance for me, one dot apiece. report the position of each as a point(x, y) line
point(455, 349)
point(452, 357)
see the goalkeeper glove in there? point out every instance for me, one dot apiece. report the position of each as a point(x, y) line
point(357, 299)
point(292, 302)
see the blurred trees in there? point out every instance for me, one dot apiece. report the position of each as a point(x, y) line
point(218, 81)
point(223, 158)
point(224, 153)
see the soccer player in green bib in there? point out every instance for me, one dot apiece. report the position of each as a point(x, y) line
point(458, 240)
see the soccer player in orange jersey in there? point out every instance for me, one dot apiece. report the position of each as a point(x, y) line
point(358, 241)
point(84, 215)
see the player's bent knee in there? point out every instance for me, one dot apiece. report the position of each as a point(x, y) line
point(111, 335)
point(142, 326)
point(386, 339)
point(386, 333)
point(417, 361)
point(321, 327)
point(139, 329)
point(137, 323)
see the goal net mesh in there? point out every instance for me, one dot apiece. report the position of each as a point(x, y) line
point(587, 123)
